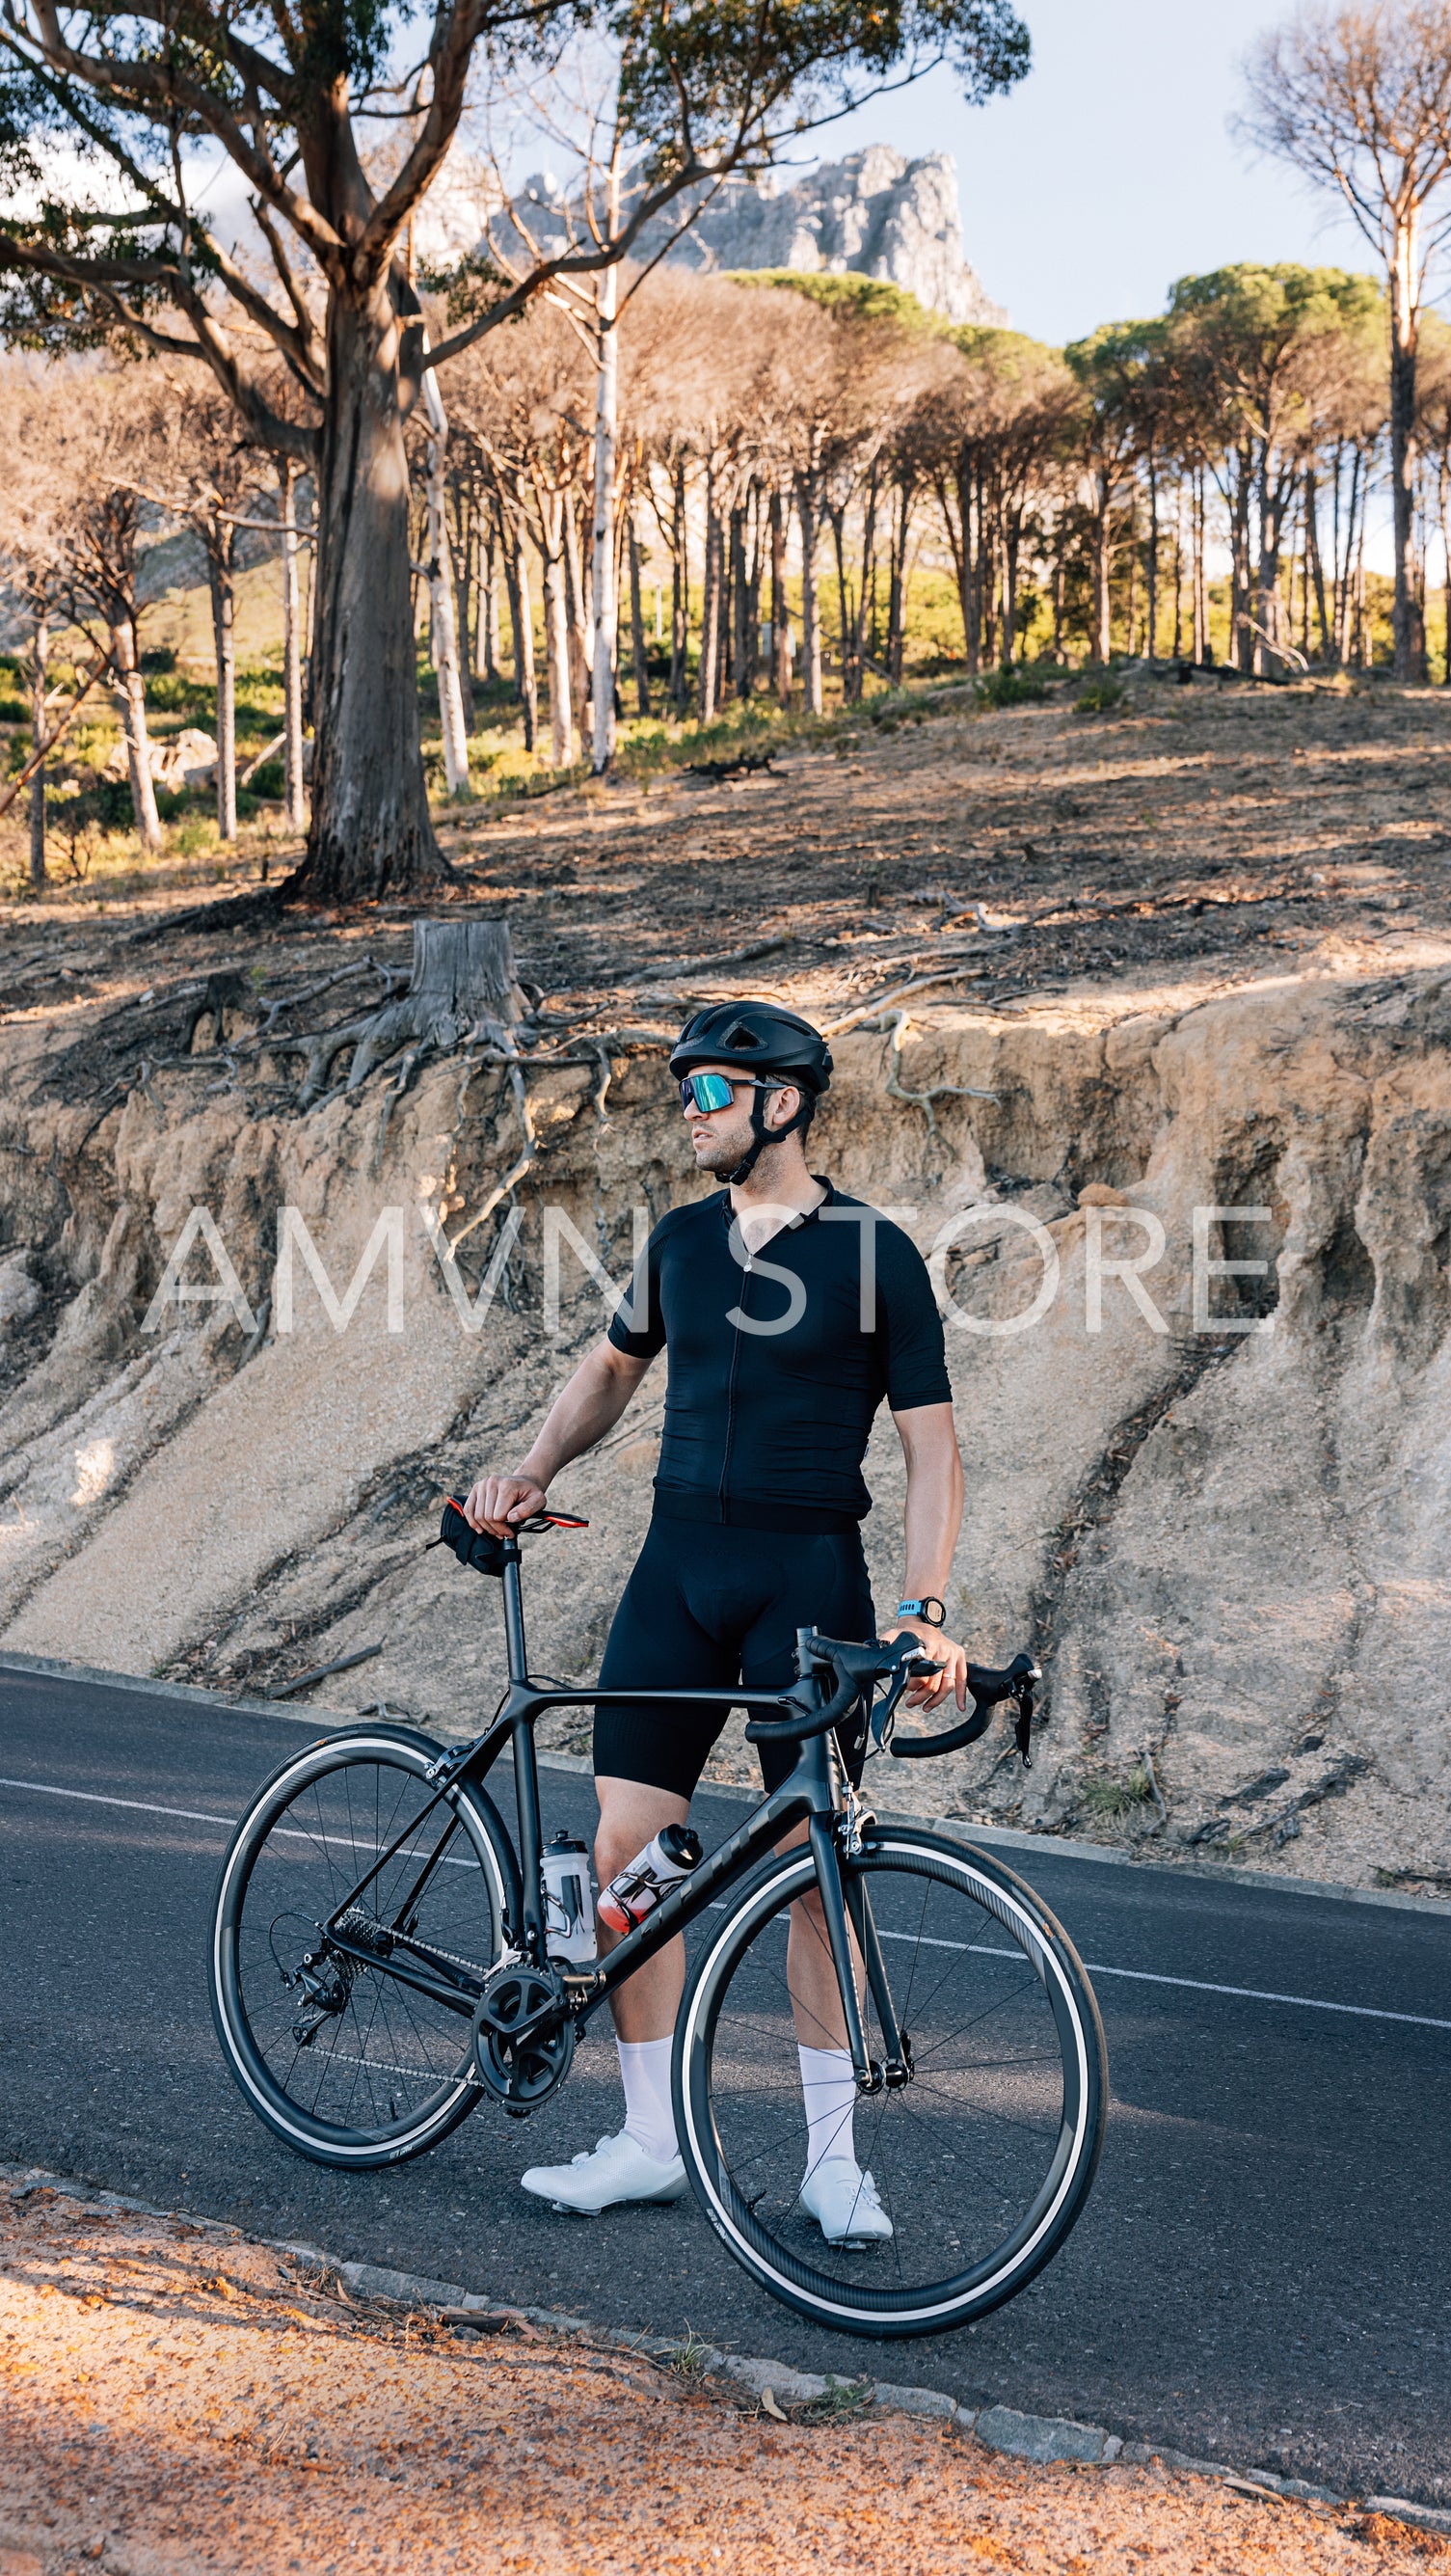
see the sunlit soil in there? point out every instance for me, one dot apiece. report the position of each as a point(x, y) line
point(173, 2398)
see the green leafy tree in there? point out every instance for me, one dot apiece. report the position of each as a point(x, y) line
point(154, 94)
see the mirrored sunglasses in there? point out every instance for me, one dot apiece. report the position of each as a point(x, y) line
point(707, 1092)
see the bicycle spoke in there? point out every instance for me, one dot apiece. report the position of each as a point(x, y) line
point(343, 2050)
point(963, 2148)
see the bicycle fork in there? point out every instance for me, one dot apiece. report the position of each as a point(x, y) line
point(844, 1915)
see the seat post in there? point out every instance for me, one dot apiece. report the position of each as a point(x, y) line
point(514, 1613)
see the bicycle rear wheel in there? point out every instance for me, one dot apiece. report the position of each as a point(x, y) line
point(982, 2160)
point(345, 2062)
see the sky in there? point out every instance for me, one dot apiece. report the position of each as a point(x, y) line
point(1110, 170)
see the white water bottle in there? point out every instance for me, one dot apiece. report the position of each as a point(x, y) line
point(634, 1891)
point(569, 1915)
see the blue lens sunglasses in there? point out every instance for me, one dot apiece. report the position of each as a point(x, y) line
point(708, 1092)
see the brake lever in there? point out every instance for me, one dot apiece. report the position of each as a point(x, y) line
point(1023, 1726)
point(912, 1668)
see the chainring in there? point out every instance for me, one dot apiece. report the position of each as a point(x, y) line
point(523, 2036)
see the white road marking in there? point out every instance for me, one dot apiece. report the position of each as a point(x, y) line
point(1095, 1967)
point(195, 1816)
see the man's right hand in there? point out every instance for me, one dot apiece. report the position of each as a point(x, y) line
point(499, 1503)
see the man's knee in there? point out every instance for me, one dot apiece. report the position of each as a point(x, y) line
point(631, 1813)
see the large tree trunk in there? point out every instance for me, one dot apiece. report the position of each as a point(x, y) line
point(371, 834)
point(132, 694)
point(40, 673)
point(1409, 624)
point(221, 545)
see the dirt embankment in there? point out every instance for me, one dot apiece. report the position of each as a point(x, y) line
point(1230, 1543)
point(173, 2399)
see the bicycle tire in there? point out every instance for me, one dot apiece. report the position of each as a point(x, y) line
point(415, 2058)
point(976, 2117)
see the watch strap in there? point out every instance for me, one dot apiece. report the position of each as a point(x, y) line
point(928, 1608)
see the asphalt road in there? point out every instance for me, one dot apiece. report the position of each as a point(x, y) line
point(1263, 2274)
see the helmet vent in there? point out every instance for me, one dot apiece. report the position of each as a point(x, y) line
point(743, 1036)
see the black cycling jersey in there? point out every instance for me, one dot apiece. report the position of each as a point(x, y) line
point(779, 1360)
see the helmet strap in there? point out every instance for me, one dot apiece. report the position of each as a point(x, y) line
point(765, 1136)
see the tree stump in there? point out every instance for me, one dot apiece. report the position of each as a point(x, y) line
point(463, 982)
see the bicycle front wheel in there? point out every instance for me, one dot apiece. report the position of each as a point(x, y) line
point(345, 2061)
point(981, 2160)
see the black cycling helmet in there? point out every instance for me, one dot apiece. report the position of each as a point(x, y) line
point(762, 1040)
point(759, 1037)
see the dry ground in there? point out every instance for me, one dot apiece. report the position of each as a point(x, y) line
point(1204, 823)
point(174, 2399)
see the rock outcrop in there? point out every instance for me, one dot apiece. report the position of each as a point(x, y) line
point(1218, 1501)
point(874, 213)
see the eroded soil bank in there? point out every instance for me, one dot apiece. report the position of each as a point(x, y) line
point(1229, 1544)
point(175, 2399)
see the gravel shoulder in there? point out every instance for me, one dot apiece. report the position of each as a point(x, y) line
point(173, 2397)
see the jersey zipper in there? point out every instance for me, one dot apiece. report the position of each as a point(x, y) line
point(730, 1430)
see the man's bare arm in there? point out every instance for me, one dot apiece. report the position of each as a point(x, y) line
point(583, 1411)
point(933, 1519)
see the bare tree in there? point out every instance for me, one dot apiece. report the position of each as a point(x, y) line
point(1359, 99)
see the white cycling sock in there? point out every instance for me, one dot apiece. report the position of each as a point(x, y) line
point(828, 2088)
point(649, 2115)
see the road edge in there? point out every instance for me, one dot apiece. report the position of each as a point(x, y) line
point(1041, 2439)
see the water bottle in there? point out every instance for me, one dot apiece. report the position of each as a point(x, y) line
point(569, 1915)
point(634, 1891)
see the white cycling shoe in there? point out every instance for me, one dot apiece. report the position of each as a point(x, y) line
point(618, 2170)
point(844, 2203)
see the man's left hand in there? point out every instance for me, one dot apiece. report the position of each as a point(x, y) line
point(950, 1659)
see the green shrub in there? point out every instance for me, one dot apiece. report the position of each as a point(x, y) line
point(14, 711)
point(1100, 696)
point(170, 804)
point(114, 810)
point(270, 779)
point(158, 657)
point(247, 805)
point(1009, 689)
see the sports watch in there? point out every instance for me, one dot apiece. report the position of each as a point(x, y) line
point(930, 1609)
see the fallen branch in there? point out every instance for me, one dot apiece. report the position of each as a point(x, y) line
point(900, 993)
point(274, 746)
point(712, 965)
point(320, 1672)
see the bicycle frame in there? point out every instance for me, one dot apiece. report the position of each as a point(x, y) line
point(811, 1795)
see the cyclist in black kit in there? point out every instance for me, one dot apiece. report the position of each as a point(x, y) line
point(776, 1368)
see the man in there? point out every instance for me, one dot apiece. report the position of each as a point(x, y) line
point(776, 1369)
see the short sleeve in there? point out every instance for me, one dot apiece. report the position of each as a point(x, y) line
point(915, 1352)
point(638, 1326)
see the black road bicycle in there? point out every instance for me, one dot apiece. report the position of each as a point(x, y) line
point(380, 1963)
